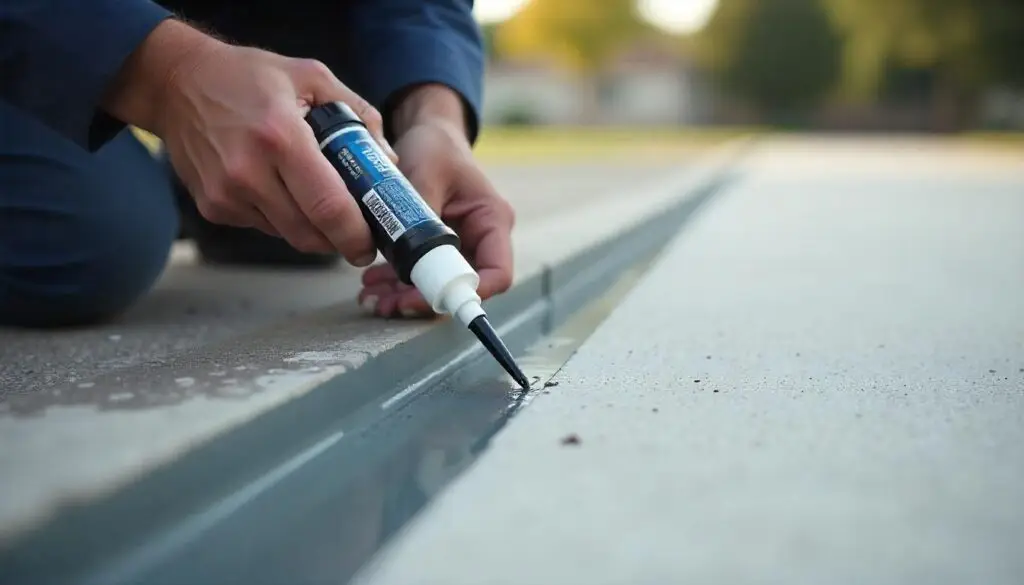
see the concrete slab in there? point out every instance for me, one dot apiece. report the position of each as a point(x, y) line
point(194, 305)
point(80, 439)
point(821, 381)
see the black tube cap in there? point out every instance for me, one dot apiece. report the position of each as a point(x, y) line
point(330, 116)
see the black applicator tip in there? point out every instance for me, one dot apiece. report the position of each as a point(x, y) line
point(483, 330)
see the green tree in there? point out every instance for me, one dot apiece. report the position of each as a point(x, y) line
point(715, 46)
point(782, 55)
point(939, 53)
point(1002, 25)
point(580, 34)
point(967, 43)
point(887, 36)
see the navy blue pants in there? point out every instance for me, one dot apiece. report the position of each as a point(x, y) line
point(82, 235)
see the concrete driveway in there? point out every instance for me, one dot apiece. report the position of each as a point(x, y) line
point(821, 381)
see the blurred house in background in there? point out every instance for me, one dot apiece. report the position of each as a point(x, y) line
point(1003, 109)
point(648, 85)
point(644, 85)
point(531, 93)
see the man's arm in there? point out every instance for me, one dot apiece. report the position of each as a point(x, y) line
point(59, 57)
point(421, 62)
point(418, 57)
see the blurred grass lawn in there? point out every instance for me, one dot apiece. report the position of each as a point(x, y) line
point(568, 144)
point(1013, 141)
point(557, 144)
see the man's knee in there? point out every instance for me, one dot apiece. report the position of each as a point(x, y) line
point(82, 236)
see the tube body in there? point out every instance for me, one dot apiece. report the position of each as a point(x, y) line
point(403, 226)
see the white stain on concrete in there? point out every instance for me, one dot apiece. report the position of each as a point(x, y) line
point(84, 385)
point(185, 382)
point(317, 357)
point(233, 390)
point(121, 396)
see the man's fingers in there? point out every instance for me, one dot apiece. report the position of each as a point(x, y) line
point(394, 299)
point(287, 219)
point(382, 273)
point(383, 294)
point(322, 197)
point(485, 228)
point(323, 87)
point(260, 184)
point(264, 225)
point(412, 304)
point(222, 210)
point(493, 260)
point(488, 227)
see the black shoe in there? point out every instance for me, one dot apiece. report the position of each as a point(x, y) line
point(226, 245)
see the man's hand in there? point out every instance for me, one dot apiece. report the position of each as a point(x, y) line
point(232, 122)
point(435, 156)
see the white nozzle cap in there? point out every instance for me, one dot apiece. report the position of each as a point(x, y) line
point(448, 283)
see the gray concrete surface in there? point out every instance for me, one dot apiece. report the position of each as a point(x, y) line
point(821, 381)
point(195, 305)
point(144, 394)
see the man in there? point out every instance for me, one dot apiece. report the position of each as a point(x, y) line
point(87, 216)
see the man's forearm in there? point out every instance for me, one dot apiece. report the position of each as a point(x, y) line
point(428, 102)
point(137, 94)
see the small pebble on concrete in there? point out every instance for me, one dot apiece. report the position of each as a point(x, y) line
point(571, 439)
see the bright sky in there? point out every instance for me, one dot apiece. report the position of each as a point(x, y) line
point(676, 16)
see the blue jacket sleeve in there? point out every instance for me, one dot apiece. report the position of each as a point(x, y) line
point(57, 58)
point(395, 44)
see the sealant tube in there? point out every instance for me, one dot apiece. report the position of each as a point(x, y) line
point(423, 250)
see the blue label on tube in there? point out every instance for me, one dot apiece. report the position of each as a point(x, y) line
point(373, 178)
